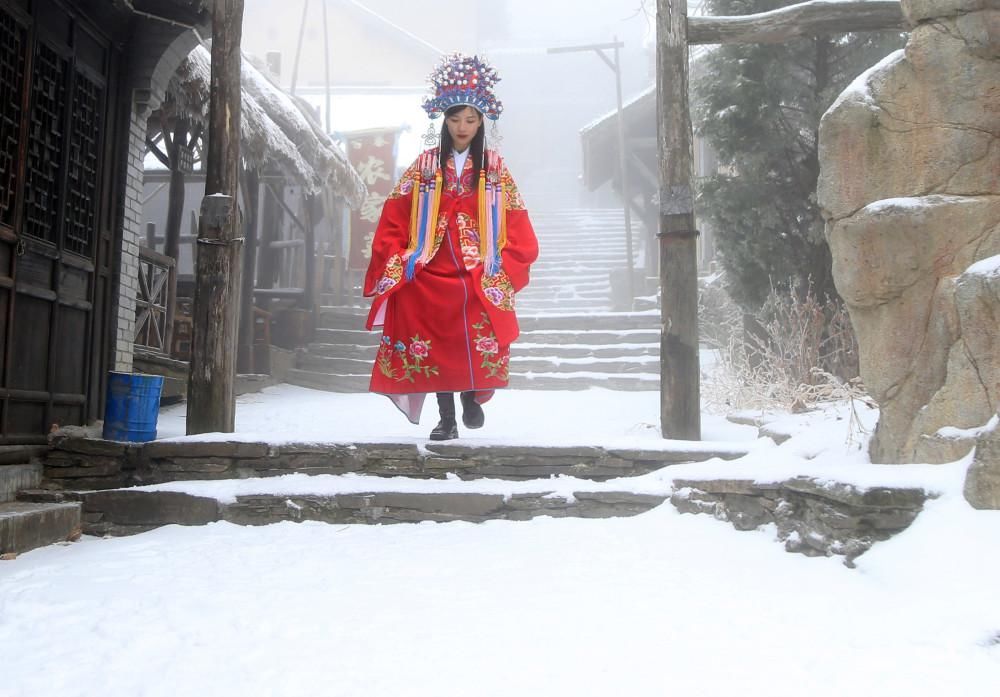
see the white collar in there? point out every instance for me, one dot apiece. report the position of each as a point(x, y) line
point(460, 158)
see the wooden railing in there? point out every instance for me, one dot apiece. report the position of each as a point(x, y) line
point(154, 303)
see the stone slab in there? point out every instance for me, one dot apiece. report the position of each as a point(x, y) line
point(93, 446)
point(125, 507)
point(25, 526)
point(220, 449)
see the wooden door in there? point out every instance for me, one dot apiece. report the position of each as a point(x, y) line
point(54, 216)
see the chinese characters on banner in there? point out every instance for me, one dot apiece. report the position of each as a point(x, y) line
point(373, 155)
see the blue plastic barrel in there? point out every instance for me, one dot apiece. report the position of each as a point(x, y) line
point(133, 404)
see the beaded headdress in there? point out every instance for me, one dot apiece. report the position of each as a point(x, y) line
point(467, 80)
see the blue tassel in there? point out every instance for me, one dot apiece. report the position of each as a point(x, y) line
point(493, 263)
point(411, 263)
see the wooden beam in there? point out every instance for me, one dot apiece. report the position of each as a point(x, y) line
point(680, 371)
point(211, 399)
point(805, 19)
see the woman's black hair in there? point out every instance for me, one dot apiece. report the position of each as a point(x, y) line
point(477, 146)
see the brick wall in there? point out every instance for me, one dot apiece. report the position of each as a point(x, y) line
point(155, 51)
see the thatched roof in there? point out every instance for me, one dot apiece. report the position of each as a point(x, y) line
point(275, 130)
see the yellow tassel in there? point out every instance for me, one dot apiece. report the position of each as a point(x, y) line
point(414, 217)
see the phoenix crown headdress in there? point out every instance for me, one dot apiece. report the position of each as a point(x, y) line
point(467, 80)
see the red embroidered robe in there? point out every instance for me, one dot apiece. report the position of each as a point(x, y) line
point(449, 329)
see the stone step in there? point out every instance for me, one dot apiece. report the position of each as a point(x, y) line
point(559, 278)
point(128, 511)
point(357, 337)
point(334, 365)
point(564, 350)
point(584, 380)
point(13, 478)
point(561, 380)
point(589, 336)
point(608, 321)
point(529, 365)
point(580, 350)
point(27, 525)
point(113, 465)
point(534, 306)
point(343, 351)
point(564, 293)
point(330, 383)
point(594, 283)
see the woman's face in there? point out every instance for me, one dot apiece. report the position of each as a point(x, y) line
point(462, 127)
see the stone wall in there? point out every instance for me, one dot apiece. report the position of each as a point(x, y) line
point(910, 189)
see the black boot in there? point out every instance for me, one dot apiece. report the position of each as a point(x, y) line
point(447, 428)
point(472, 411)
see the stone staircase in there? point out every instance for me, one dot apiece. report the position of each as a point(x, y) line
point(25, 525)
point(125, 489)
point(570, 337)
point(131, 488)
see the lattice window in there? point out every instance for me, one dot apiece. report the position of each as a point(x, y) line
point(81, 191)
point(12, 38)
point(45, 144)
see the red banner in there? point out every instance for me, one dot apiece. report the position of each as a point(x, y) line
point(373, 154)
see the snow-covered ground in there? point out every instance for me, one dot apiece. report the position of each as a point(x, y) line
point(659, 604)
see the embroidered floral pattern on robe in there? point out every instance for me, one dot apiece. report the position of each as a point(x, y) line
point(393, 274)
point(468, 240)
point(512, 196)
point(495, 361)
point(404, 187)
point(499, 290)
point(397, 361)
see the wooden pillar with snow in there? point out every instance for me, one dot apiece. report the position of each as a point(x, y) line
point(211, 400)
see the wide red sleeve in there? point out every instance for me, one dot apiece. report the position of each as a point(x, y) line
point(521, 248)
point(392, 234)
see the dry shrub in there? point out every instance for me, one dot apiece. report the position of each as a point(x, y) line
point(798, 350)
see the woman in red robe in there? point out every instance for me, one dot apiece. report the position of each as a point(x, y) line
point(451, 250)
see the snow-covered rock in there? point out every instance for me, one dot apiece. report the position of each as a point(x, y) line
point(910, 188)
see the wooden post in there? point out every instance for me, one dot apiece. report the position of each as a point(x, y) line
point(623, 171)
point(245, 357)
point(175, 196)
point(680, 371)
point(211, 404)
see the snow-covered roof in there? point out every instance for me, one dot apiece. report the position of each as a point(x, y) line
point(275, 129)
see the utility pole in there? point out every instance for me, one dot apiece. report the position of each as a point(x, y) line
point(616, 68)
point(680, 370)
point(211, 402)
point(298, 46)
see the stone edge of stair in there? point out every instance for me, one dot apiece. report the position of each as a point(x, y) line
point(126, 512)
point(25, 526)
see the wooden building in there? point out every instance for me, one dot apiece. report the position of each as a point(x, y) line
point(78, 79)
point(295, 184)
point(600, 167)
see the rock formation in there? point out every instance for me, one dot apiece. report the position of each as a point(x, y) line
point(910, 189)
